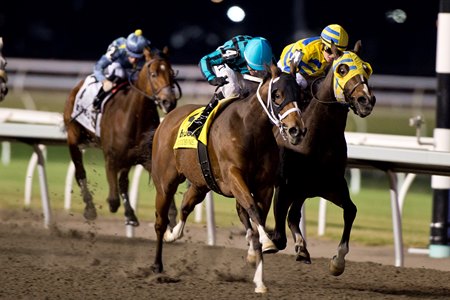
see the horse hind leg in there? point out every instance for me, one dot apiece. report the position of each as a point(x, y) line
point(191, 198)
point(90, 212)
point(130, 216)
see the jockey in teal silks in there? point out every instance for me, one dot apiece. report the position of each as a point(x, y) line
point(226, 66)
point(122, 60)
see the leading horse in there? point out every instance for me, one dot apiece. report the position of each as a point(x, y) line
point(3, 75)
point(127, 120)
point(316, 167)
point(243, 156)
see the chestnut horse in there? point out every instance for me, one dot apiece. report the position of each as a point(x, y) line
point(316, 167)
point(3, 75)
point(127, 121)
point(243, 156)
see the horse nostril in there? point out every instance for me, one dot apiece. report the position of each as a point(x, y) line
point(294, 131)
point(362, 100)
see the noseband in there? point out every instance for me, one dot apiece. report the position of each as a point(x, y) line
point(154, 96)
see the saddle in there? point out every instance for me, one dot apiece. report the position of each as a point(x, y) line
point(82, 112)
point(185, 140)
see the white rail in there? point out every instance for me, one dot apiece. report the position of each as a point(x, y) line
point(391, 153)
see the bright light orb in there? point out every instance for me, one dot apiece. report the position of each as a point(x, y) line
point(236, 14)
point(396, 16)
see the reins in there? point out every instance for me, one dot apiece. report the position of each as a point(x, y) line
point(154, 97)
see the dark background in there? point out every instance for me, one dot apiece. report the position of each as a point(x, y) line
point(82, 29)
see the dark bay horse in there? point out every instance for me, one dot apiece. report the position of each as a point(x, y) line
point(316, 167)
point(127, 121)
point(244, 159)
point(3, 75)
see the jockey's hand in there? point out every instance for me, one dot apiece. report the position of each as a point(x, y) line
point(108, 85)
point(218, 81)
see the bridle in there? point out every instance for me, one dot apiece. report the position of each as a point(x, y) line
point(273, 110)
point(154, 96)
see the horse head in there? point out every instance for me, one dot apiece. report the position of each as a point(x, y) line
point(282, 104)
point(157, 80)
point(3, 76)
point(350, 84)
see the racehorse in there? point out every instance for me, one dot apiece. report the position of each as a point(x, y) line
point(126, 124)
point(316, 167)
point(3, 75)
point(243, 157)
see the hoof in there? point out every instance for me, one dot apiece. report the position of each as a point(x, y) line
point(157, 268)
point(134, 223)
point(302, 255)
point(251, 259)
point(336, 267)
point(114, 205)
point(303, 259)
point(279, 242)
point(90, 213)
point(269, 247)
point(261, 290)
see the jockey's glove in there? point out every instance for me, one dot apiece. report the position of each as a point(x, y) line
point(218, 81)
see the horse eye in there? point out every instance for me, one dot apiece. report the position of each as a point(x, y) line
point(342, 70)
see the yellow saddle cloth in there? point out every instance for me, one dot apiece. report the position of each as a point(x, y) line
point(184, 140)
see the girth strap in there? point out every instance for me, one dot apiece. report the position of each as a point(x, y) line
point(205, 165)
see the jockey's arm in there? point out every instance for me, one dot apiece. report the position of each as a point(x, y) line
point(208, 62)
point(100, 66)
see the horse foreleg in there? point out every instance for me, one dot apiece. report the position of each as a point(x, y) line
point(294, 216)
point(258, 278)
point(111, 175)
point(130, 216)
point(281, 203)
point(243, 216)
point(90, 212)
point(337, 263)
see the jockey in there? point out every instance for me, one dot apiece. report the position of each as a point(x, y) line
point(313, 55)
point(225, 67)
point(122, 60)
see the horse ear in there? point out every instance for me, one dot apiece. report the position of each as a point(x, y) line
point(166, 50)
point(335, 50)
point(147, 54)
point(358, 47)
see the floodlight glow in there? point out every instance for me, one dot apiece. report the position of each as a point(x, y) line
point(396, 15)
point(236, 14)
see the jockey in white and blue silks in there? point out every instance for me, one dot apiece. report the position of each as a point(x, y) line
point(226, 66)
point(122, 60)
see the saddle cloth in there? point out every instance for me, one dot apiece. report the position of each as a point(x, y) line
point(82, 108)
point(189, 141)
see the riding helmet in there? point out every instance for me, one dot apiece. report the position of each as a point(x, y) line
point(337, 34)
point(135, 44)
point(258, 53)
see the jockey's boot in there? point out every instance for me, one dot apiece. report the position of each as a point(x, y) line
point(197, 124)
point(97, 104)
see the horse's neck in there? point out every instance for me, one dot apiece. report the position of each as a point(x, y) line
point(325, 118)
point(253, 114)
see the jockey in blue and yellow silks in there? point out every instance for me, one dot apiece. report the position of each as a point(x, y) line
point(312, 56)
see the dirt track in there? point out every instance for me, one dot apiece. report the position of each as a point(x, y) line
point(76, 260)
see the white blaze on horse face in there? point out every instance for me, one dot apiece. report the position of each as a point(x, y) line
point(366, 87)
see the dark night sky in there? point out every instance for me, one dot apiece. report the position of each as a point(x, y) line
point(82, 29)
